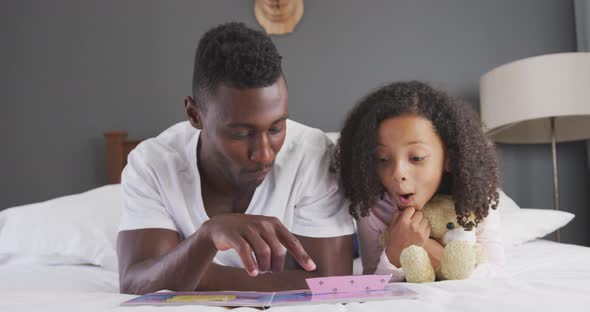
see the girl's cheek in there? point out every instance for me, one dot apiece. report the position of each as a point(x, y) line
point(384, 182)
point(381, 172)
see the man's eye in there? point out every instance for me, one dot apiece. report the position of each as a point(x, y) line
point(241, 135)
point(275, 130)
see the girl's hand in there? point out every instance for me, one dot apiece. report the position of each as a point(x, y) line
point(409, 227)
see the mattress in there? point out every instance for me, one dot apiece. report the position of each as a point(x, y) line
point(539, 276)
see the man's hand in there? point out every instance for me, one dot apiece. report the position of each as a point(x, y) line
point(154, 259)
point(409, 227)
point(260, 241)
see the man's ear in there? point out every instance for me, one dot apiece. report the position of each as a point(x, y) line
point(194, 113)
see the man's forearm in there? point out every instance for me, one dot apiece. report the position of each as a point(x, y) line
point(187, 265)
point(179, 270)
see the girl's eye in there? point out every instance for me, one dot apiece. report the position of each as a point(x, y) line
point(418, 158)
point(382, 159)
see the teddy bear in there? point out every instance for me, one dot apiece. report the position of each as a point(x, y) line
point(461, 252)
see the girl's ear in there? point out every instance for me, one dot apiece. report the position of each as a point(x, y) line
point(447, 162)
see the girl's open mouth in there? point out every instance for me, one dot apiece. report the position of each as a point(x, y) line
point(406, 199)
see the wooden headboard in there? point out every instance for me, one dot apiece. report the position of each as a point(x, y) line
point(118, 147)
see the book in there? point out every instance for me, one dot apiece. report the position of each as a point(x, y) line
point(367, 288)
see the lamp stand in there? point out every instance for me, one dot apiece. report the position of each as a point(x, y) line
point(555, 187)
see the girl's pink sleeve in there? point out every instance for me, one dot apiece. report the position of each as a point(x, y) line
point(386, 267)
point(370, 229)
point(489, 235)
point(369, 247)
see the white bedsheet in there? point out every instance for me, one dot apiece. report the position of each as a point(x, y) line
point(57, 278)
point(540, 276)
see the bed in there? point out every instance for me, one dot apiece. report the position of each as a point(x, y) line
point(59, 255)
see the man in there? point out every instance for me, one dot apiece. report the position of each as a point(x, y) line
point(213, 196)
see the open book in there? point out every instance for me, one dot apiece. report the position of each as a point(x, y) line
point(348, 292)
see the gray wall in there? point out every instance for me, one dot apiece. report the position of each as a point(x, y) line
point(73, 69)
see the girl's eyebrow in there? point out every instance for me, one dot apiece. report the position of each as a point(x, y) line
point(416, 142)
point(409, 143)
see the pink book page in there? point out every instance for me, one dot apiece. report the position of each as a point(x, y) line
point(347, 284)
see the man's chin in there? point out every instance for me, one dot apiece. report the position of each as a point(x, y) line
point(258, 182)
point(252, 183)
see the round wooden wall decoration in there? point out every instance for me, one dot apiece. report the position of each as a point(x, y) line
point(278, 17)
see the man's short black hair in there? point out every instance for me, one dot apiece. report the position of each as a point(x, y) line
point(235, 55)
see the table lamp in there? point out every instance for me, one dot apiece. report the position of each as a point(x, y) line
point(542, 99)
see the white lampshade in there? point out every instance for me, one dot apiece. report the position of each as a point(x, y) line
point(518, 99)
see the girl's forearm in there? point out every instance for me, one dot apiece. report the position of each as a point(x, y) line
point(435, 251)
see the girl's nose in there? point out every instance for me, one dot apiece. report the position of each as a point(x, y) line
point(399, 173)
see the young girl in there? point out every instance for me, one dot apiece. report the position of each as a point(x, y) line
point(401, 145)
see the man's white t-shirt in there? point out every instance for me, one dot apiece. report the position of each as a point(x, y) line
point(162, 187)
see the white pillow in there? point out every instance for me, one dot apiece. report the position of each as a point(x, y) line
point(333, 136)
point(506, 204)
point(520, 225)
point(73, 229)
point(525, 224)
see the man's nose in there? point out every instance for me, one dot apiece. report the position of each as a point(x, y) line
point(261, 151)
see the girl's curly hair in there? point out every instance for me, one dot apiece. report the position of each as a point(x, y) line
point(473, 178)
